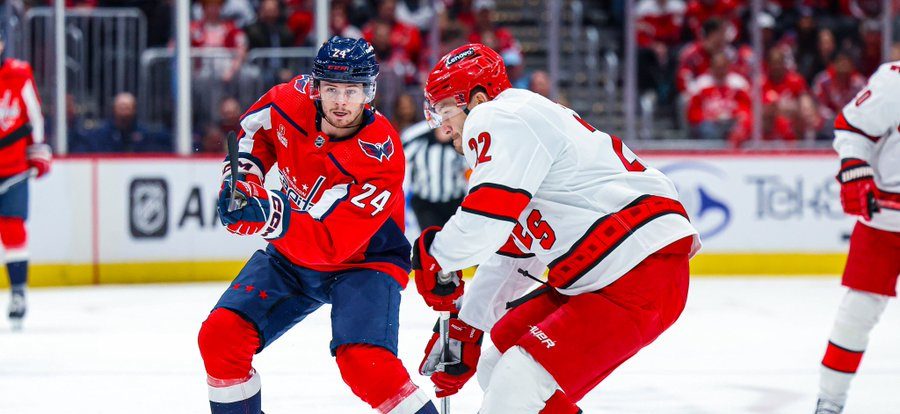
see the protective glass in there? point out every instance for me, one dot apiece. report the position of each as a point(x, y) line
point(442, 111)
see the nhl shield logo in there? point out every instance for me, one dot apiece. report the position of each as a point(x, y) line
point(148, 208)
point(378, 150)
point(320, 140)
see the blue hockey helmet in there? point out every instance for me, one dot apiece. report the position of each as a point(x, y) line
point(344, 60)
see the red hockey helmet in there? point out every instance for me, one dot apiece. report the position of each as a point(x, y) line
point(461, 71)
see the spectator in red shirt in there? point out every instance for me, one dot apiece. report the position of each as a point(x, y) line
point(487, 32)
point(659, 24)
point(213, 32)
point(700, 11)
point(834, 87)
point(340, 22)
point(719, 108)
point(789, 94)
point(694, 58)
point(403, 37)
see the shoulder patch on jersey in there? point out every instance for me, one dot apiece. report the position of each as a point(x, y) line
point(378, 150)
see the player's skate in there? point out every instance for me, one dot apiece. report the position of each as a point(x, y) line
point(17, 308)
point(828, 407)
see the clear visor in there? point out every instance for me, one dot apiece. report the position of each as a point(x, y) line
point(442, 111)
point(348, 93)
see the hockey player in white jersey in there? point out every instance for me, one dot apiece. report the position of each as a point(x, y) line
point(867, 138)
point(547, 190)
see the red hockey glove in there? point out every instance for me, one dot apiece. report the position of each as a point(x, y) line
point(465, 349)
point(858, 191)
point(39, 158)
point(440, 290)
point(261, 211)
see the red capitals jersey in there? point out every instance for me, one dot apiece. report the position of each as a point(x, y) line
point(21, 121)
point(346, 194)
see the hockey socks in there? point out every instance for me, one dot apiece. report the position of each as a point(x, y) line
point(243, 396)
point(378, 377)
point(857, 315)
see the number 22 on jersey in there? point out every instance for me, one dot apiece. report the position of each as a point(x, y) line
point(481, 146)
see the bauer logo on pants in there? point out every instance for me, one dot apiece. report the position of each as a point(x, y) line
point(148, 208)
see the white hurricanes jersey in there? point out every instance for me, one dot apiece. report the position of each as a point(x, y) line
point(868, 128)
point(549, 190)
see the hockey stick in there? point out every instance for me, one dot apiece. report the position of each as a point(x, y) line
point(18, 178)
point(234, 204)
point(444, 330)
point(445, 354)
point(875, 205)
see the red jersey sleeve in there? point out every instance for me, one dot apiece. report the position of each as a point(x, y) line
point(256, 152)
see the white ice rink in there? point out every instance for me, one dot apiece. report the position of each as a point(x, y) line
point(742, 346)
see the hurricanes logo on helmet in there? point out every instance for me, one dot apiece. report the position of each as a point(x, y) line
point(462, 55)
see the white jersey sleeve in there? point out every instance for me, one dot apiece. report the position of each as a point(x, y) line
point(497, 282)
point(870, 116)
point(508, 164)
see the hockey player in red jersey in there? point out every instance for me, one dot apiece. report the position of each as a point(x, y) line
point(867, 139)
point(335, 233)
point(23, 154)
point(547, 189)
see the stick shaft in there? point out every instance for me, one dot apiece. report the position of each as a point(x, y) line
point(445, 353)
point(233, 162)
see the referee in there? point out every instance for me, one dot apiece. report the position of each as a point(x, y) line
point(437, 174)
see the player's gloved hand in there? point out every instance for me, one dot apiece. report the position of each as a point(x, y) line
point(858, 191)
point(262, 211)
point(465, 349)
point(39, 157)
point(440, 290)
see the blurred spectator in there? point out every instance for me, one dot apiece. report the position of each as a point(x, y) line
point(212, 31)
point(487, 32)
point(268, 30)
point(403, 37)
point(788, 92)
point(870, 53)
point(813, 58)
point(76, 127)
point(418, 13)
point(340, 23)
point(462, 13)
point(700, 11)
point(695, 57)
point(405, 112)
point(239, 11)
point(836, 86)
point(720, 107)
point(230, 115)
point(211, 141)
point(437, 174)
point(397, 71)
point(300, 20)
point(515, 69)
point(659, 26)
point(123, 133)
point(539, 83)
point(776, 127)
point(895, 52)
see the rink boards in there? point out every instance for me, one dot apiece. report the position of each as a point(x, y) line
point(153, 219)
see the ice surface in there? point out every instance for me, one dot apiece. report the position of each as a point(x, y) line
point(742, 346)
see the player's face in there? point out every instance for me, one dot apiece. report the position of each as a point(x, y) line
point(448, 117)
point(342, 103)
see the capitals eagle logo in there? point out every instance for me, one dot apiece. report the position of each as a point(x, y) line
point(378, 150)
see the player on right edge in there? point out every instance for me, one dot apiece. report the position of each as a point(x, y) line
point(867, 138)
point(547, 190)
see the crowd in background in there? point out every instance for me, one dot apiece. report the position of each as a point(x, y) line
point(695, 59)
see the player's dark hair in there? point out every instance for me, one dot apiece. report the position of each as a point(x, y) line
point(476, 90)
point(712, 25)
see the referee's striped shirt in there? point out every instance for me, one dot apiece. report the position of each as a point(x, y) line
point(437, 173)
